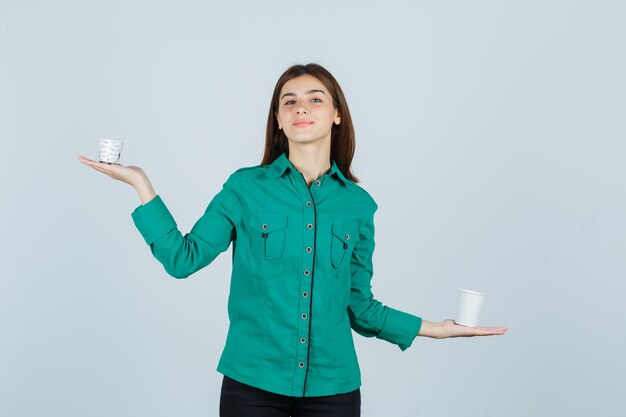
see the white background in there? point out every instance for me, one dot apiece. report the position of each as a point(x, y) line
point(491, 134)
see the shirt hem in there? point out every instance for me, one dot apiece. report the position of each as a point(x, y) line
point(282, 389)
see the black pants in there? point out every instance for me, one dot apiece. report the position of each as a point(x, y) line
point(242, 400)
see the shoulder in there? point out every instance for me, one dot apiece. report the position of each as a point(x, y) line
point(362, 196)
point(246, 174)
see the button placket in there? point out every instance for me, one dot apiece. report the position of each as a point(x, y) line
point(305, 297)
point(309, 222)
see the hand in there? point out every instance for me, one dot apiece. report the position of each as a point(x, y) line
point(450, 329)
point(129, 174)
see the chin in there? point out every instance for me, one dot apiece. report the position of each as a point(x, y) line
point(301, 140)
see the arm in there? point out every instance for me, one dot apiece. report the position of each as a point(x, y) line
point(368, 316)
point(180, 255)
point(144, 189)
point(211, 235)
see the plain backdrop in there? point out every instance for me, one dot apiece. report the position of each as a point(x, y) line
point(490, 133)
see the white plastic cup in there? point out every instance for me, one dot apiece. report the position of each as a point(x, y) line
point(470, 304)
point(110, 151)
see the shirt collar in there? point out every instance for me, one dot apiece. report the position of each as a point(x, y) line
point(280, 164)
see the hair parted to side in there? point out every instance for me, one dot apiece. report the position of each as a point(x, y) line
point(342, 142)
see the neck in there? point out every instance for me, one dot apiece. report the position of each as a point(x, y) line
point(312, 162)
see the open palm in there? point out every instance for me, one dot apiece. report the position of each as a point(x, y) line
point(128, 174)
point(451, 329)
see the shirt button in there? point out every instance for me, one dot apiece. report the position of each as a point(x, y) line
point(308, 204)
point(302, 340)
point(301, 364)
point(265, 226)
point(309, 226)
point(304, 316)
point(307, 272)
point(305, 294)
point(308, 249)
point(347, 237)
point(317, 183)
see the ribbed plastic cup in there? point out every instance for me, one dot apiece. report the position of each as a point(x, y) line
point(470, 304)
point(110, 151)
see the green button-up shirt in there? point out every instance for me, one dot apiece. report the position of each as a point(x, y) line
point(301, 277)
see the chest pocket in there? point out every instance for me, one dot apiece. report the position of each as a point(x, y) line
point(343, 238)
point(268, 234)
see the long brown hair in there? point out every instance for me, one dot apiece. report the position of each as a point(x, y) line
point(342, 142)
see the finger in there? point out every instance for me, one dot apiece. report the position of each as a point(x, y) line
point(104, 170)
point(83, 159)
point(88, 161)
point(491, 331)
point(101, 166)
point(107, 169)
point(491, 328)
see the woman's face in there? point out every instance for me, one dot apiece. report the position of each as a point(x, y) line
point(305, 110)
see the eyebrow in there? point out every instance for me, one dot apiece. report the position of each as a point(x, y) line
point(314, 90)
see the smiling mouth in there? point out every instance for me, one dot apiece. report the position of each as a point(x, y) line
point(304, 124)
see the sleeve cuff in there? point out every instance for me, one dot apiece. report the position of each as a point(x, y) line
point(400, 328)
point(153, 220)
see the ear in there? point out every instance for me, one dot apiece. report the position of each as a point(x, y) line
point(278, 120)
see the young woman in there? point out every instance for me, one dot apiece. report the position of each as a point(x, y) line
point(302, 232)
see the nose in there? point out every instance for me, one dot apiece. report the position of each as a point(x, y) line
point(301, 109)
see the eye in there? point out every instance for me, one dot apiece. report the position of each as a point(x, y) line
point(314, 98)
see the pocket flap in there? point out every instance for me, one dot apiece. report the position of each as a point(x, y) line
point(346, 231)
point(268, 221)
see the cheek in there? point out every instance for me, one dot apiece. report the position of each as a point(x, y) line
point(329, 110)
point(329, 114)
point(283, 114)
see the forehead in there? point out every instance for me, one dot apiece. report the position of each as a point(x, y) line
point(301, 84)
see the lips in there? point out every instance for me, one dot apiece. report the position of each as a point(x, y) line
point(303, 123)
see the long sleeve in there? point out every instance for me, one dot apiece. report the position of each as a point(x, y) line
point(211, 235)
point(368, 316)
